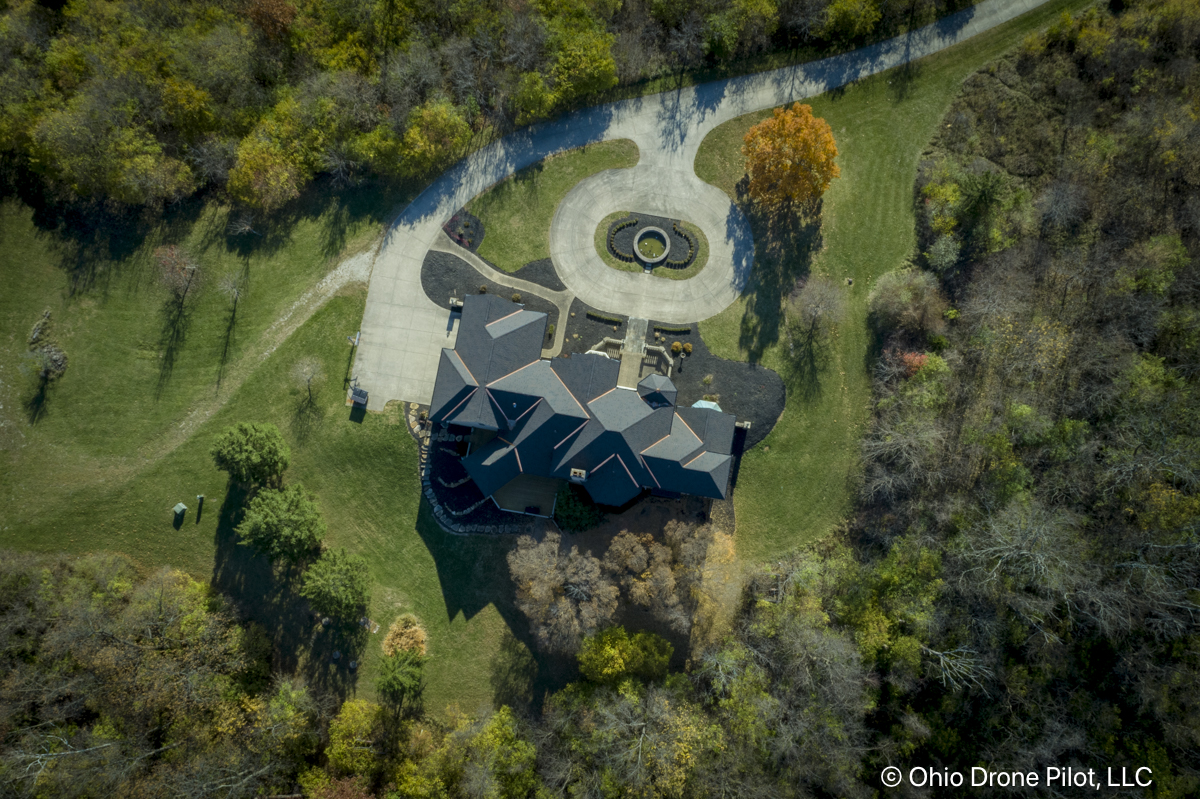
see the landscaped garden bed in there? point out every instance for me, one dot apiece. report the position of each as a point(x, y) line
point(543, 273)
point(465, 229)
point(586, 327)
point(749, 391)
point(444, 275)
point(623, 234)
point(616, 241)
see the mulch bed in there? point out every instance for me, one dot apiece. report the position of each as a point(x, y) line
point(541, 272)
point(748, 391)
point(444, 275)
point(623, 242)
point(465, 229)
point(588, 324)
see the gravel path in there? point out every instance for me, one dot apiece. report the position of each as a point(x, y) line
point(403, 332)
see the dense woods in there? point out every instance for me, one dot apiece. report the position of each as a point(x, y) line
point(141, 102)
point(1036, 447)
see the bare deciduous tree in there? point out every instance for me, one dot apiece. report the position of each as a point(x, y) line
point(817, 305)
point(565, 595)
point(177, 270)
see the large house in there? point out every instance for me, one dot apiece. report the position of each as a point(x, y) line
point(567, 418)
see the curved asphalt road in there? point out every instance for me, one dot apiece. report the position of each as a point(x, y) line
point(403, 332)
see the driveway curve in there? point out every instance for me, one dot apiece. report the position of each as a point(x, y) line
point(660, 191)
point(403, 332)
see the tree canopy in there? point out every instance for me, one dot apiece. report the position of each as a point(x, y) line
point(337, 584)
point(283, 523)
point(252, 453)
point(790, 157)
point(144, 104)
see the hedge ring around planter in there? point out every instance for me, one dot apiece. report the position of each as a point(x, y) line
point(666, 244)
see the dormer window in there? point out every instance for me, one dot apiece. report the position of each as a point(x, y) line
point(578, 475)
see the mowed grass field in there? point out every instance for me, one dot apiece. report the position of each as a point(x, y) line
point(801, 481)
point(104, 464)
point(516, 212)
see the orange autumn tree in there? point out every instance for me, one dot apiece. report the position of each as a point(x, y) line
point(790, 157)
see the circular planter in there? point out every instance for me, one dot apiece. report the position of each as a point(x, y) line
point(662, 235)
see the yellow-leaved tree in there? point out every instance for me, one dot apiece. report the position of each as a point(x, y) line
point(790, 157)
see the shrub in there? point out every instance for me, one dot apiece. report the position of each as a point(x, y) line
point(687, 348)
point(284, 523)
point(907, 299)
point(676, 347)
point(599, 317)
point(401, 681)
point(612, 655)
point(337, 585)
point(943, 255)
point(483, 289)
point(252, 453)
point(406, 633)
point(550, 331)
point(574, 510)
point(516, 297)
point(352, 734)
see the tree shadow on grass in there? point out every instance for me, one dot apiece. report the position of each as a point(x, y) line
point(473, 574)
point(786, 239)
point(94, 240)
point(35, 406)
point(808, 356)
point(902, 81)
point(235, 297)
point(268, 595)
point(307, 417)
point(176, 319)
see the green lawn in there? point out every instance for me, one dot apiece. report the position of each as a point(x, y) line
point(98, 472)
point(881, 124)
point(517, 211)
point(601, 243)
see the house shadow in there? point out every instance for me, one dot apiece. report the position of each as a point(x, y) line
point(474, 576)
point(267, 594)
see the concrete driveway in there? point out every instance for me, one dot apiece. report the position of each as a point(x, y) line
point(403, 332)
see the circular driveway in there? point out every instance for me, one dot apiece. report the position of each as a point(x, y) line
point(403, 331)
point(660, 191)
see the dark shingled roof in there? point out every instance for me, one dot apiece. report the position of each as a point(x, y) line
point(587, 376)
point(612, 482)
point(569, 413)
point(657, 390)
